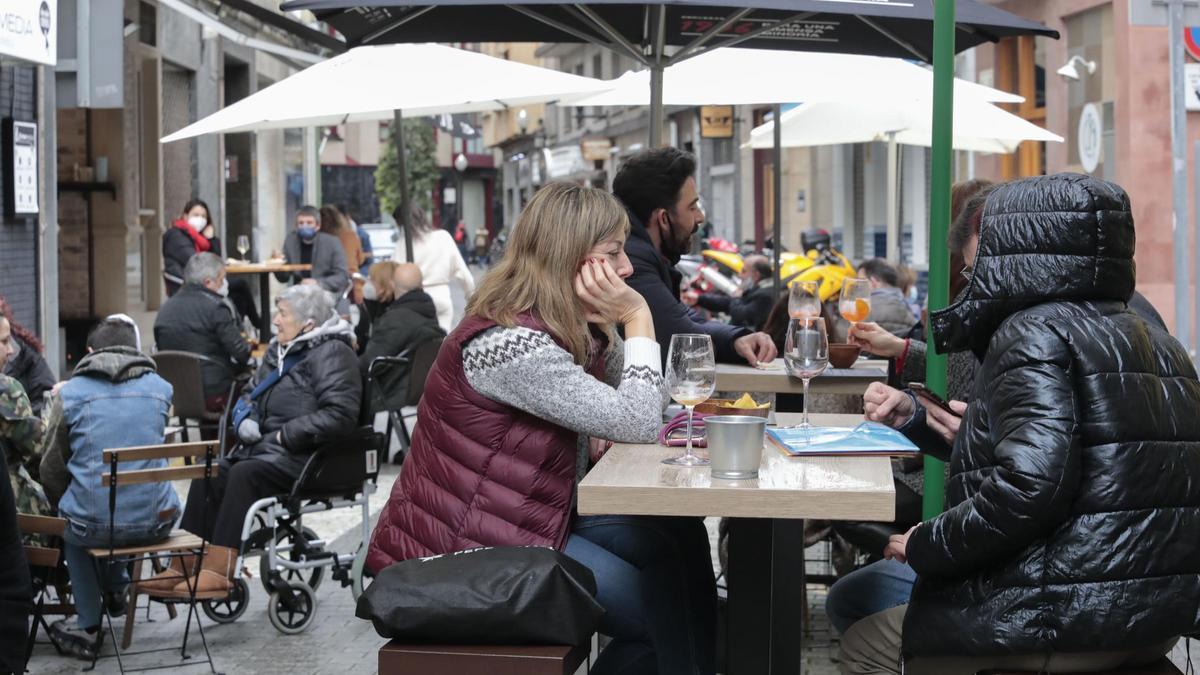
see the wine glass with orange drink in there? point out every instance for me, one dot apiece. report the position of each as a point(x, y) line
point(855, 302)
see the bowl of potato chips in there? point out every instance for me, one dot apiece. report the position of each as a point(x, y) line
point(746, 405)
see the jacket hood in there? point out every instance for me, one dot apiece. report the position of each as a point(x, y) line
point(418, 301)
point(336, 328)
point(115, 364)
point(1066, 237)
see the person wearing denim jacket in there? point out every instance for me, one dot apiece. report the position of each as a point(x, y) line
point(114, 399)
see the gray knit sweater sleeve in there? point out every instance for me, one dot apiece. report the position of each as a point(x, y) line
point(526, 369)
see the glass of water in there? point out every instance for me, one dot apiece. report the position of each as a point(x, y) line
point(806, 353)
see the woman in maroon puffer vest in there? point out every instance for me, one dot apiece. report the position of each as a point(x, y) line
point(523, 397)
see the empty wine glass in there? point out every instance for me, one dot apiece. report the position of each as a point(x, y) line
point(803, 299)
point(691, 378)
point(806, 353)
point(855, 302)
point(243, 245)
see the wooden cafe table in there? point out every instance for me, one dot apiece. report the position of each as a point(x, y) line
point(765, 580)
point(264, 270)
point(774, 378)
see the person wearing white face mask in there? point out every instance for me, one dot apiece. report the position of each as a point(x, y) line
point(190, 234)
point(404, 317)
point(198, 319)
point(756, 295)
point(194, 232)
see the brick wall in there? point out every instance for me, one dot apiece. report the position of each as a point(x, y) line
point(18, 236)
point(74, 282)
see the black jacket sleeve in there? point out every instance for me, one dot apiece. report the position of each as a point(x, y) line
point(337, 386)
point(714, 302)
point(751, 311)
point(236, 349)
point(672, 317)
point(177, 250)
point(1034, 439)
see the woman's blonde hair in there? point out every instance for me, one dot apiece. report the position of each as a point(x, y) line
point(383, 277)
point(553, 235)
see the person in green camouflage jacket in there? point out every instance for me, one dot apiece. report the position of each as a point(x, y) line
point(20, 435)
point(21, 438)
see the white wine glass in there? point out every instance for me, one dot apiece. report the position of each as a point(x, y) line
point(691, 378)
point(806, 353)
point(803, 300)
point(243, 245)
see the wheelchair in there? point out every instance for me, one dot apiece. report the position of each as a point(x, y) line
point(293, 559)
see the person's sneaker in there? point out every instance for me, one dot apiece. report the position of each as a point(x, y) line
point(76, 641)
point(114, 604)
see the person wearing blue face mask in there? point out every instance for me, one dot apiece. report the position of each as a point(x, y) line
point(307, 245)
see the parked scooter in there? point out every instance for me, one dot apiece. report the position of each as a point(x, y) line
point(717, 268)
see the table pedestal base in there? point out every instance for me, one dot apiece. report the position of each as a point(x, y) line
point(766, 596)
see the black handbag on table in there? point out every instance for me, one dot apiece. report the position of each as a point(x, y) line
point(504, 595)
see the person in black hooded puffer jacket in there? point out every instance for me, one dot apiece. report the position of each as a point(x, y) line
point(1071, 496)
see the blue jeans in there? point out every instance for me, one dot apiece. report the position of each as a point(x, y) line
point(86, 572)
point(655, 581)
point(868, 590)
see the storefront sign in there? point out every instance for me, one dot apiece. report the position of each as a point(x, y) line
point(1091, 127)
point(1191, 88)
point(716, 121)
point(28, 30)
point(595, 149)
point(21, 165)
point(1154, 12)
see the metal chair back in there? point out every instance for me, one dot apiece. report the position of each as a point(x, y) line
point(422, 357)
point(184, 372)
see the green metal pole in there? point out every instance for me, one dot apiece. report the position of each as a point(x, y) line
point(939, 221)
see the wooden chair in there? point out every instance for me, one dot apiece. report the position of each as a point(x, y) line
point(1162, 666)
point(46, 571)
point(396, 658)
point(203, 456)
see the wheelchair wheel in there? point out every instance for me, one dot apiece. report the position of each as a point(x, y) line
point(310, 577)
point(232, 607)
point(293, 610)
point(358, 572)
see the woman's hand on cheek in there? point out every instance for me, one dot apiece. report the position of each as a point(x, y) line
point(605, 294)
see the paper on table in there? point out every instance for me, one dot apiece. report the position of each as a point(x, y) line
point(868, 438)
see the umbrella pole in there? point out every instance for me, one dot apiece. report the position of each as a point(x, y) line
point(777, 179)
point(656, 104)
point(405, 208)
point(893, 199)
point(939, 223)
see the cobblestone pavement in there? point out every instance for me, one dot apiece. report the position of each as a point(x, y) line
point(338, 642)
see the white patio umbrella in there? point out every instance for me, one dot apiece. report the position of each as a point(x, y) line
point(388, 82)
point(734, 76)
point(861, 86)
point(978, 126)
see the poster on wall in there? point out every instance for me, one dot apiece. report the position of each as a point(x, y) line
point(21, 168)
point(1191, 88)
point(28, 30)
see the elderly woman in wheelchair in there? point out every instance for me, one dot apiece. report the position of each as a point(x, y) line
point(308, 388)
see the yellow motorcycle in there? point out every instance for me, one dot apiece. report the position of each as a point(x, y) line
point(821, 263)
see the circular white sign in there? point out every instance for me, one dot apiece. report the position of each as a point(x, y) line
point(1089, 137)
